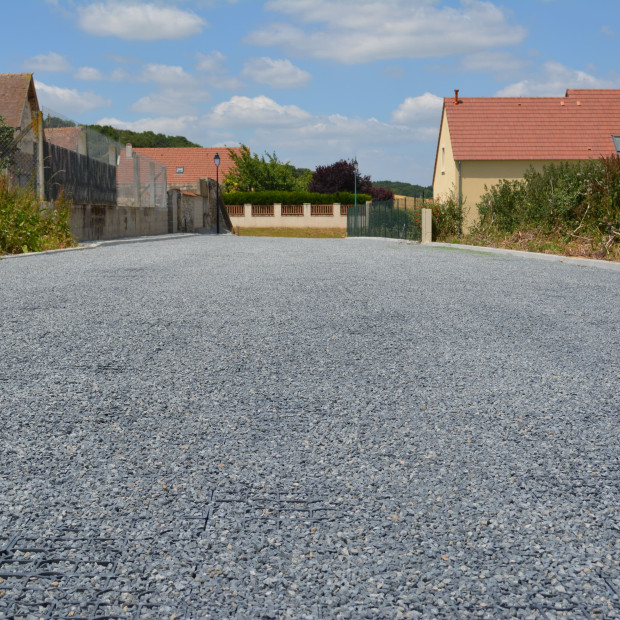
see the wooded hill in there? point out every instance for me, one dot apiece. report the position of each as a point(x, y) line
point(406, 189)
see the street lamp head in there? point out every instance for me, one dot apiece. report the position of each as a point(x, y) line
point(355, 165)
point(216, 159)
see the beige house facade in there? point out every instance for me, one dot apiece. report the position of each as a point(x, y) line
point(484, 140)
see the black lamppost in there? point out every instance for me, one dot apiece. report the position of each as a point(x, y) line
point(355, 176)
point(216, 160)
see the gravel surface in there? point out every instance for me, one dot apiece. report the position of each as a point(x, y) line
point(205, 427)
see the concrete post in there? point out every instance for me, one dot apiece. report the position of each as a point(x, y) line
point(307, 211)
point(152, 184)
point(112, 155)
point(40, 157)
point(277, 211)
point(136, 180)
point(82, 146)
point(427, 225)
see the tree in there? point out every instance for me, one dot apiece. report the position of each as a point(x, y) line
point(254, 173)
point(143, 139)
point(340, 177)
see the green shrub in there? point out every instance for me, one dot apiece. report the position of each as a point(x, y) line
point(291, 198)
point(27, 227)
point(579, 200)
point(447, 216)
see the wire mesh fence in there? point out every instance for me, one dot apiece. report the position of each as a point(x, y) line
point(94, 169)
point(394, 219)
point(18, 155)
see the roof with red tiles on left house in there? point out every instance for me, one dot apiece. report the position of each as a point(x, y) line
point(188, 164)
point(17, 89)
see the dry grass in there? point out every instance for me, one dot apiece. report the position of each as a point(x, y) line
point(309, 233)
point(537, 241)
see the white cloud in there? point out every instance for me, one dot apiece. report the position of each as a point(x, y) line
point(170, 102)
point(554, 79)
point(69, 101)
point(167, 75)
point(178, 91)
point(257, 111)
point(215, 72)
point(166, 125)
point(134, 21)
point(276, 73)
point(215, 62)
point(351, 32)
point(419, 110)
point(89, 74)
point(492, 61)
point(608, 32)
point(51, 62)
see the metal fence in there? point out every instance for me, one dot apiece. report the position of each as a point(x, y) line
point(19, 155)
point(394, 219)
point(94, 169)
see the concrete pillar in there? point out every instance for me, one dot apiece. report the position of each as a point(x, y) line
point(136, 179)
point(277, 211)
point(307, 211)
point(82, 146)
point(112, 155)
point(427, 225)
point(152, 184)
point(40, 156)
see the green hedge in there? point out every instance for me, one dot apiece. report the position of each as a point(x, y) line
point(291, 198)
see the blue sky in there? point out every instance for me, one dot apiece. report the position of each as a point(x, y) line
point(313, 80)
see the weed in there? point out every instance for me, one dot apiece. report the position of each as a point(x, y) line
point(26, 226)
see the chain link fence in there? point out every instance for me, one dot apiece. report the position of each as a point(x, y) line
point(95, 169)
point(18, 155)
point(80, 163)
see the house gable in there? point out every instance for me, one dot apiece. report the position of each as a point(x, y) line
point(18, 99)
point(185, 165)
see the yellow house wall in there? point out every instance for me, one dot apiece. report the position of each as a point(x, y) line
point(445, 178)
point(478, 174)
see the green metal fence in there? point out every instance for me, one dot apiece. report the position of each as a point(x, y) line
point(395, 219)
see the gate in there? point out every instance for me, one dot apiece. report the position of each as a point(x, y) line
point(393, 219)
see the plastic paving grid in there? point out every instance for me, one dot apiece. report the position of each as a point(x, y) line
point(81, 572)
point(272, 509)
point(73, 573)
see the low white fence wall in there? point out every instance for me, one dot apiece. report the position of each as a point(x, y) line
point(290, 216)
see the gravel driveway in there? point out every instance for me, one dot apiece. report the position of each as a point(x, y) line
point(204, 427)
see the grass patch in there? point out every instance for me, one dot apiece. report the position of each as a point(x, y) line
point(537, 240)
point(307, 233)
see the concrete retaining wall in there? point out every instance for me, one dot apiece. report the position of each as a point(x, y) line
point(92, 222)
point(185, 212)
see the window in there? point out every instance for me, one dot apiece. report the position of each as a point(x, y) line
point(443, 160)
point(180, 169)
point(617, 143)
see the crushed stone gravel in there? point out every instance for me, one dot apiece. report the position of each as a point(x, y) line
point(206, 427)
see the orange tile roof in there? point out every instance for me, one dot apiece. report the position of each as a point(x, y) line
point(15, 90)
point(579, 125)
point(197, 162)
point(66, 137)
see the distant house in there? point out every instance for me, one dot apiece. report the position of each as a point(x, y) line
point(186, 165)
point(19, 107)
point(71, 138)
point(485, 139)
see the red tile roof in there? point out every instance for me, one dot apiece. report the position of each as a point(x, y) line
point(66, 137)
point(197, 162)
point(579, 125)
point(15, 90)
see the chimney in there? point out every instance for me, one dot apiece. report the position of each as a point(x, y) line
point(128, 150)
point(456, 96)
